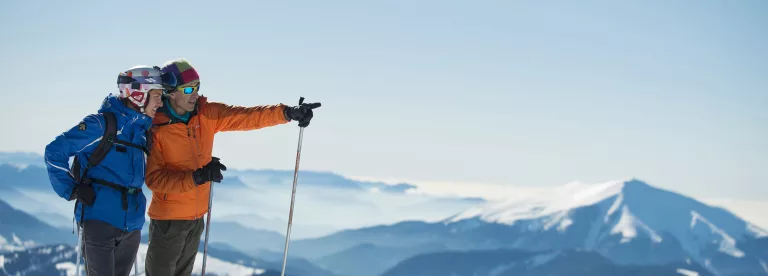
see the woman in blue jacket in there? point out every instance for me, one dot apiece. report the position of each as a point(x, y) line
point(110, 205)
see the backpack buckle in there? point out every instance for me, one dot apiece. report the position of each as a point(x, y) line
point(131, 190)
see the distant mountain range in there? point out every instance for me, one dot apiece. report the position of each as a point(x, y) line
point(625, 227)
point(19, 230)
point(506, 262)
point(629, 222)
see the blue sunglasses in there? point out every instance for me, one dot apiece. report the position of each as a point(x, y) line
point(190, 89)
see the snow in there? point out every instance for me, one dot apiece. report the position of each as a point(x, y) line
point(561, 220)
point(506, 212)
point(615, 206)
point(585, 194)
point(212, 265)
point(16, 239)
point(564, 224)
point(5, 246)
point(69, 267)
point(2, 264)
point(757, 231)
point(628, 225)
point(501, 269)
point(727, 243)
point(687, 272)
point(545, 203)
point(765, 266)
point(45, 250)
point(629, 208)
point(594, 234)
point(543, 259)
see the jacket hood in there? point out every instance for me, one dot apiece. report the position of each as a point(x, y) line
point(113, 104)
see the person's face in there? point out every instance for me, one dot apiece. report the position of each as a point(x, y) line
point(154, 102)
point(182, 101)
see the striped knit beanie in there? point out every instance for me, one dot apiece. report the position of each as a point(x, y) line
point(182, 70)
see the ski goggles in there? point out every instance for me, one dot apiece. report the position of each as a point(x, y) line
point(189, 89)
point(167, 82)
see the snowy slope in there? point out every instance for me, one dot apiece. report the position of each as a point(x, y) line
point(36, 261)
point(213, 265)
point(55, 259)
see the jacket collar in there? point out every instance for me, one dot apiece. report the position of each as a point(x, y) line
point(164, 114)
point(115, 105)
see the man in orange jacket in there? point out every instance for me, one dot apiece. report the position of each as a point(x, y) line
point(180, 168)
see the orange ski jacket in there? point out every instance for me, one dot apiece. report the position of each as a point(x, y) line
point(178, 149)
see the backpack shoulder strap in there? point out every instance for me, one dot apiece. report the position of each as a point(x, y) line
point(101, 150)
point(105, 145)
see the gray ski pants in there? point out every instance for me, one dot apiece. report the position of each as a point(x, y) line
point(108, 251)
point(173, 246)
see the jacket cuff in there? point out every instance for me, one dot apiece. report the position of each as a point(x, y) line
point(285, 113)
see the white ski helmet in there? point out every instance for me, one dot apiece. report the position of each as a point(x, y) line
point(136, 82)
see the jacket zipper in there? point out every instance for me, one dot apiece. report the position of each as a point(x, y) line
point(133, 168)
point(191, 134)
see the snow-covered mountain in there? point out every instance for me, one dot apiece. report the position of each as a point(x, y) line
point(40, 260)
point(628, 222)
point(19, 230)
point(506, 262)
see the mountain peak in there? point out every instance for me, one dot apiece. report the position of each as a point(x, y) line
point(567, 197)
point(635, 183)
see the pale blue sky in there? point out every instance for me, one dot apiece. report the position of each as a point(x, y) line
point(507, 92)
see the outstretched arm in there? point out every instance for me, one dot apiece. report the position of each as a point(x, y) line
point(232, 118)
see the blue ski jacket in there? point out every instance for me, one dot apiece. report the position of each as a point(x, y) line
point(123, 166)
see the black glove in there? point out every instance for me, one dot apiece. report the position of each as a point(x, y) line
point(84, 193)
point(301, 113)
point(209, 172)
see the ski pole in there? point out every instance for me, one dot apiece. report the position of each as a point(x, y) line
point(207, 228)
point(136, 266)
point(293, 198)
point(293, 193)
point(79, 249)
